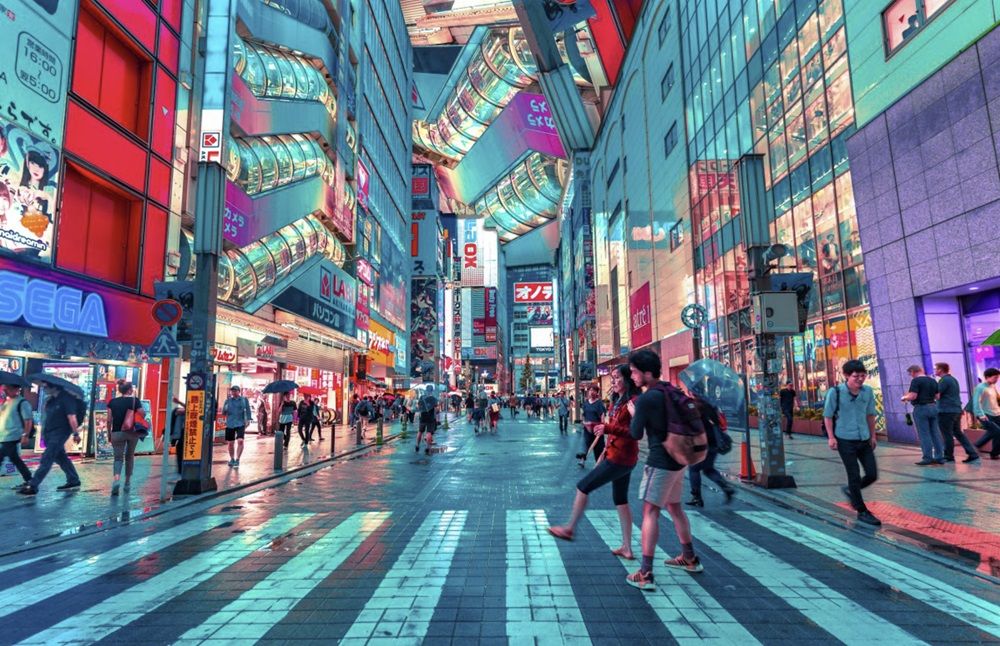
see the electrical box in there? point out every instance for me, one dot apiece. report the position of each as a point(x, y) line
point(776, 313)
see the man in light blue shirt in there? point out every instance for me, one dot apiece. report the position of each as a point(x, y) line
point(987, 410)
point(849, 419)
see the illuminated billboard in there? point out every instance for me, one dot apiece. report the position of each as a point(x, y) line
point(542, 339)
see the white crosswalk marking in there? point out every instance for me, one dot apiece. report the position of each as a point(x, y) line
point(823, 605)
point(11, 566)
point(969, 608)
point(540, 601)
point(685, 608)
point(48, 585)
point(401, 608)
point(247, 618)
point(108, 616)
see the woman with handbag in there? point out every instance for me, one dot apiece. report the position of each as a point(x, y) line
point(127, 425)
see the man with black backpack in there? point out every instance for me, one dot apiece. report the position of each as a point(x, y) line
point(428, 421)
point(718, 443)
point(659, 408)
point(849, 419)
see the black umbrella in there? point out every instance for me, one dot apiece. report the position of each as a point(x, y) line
point(280, 386)
point(59, 382)
point(12, 379)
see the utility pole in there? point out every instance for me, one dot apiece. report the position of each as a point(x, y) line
point(754, 224)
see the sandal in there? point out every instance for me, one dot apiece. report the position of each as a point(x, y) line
point(561, 533)
point(624, 553)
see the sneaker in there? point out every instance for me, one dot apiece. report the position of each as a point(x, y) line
point(68, 486)
point(681, 563)
point(27, 490)
point(729, 493)
point(971, 458)
point(868, 518)
point(427, 451)
point(416, 449)
point(233, 462)
point(581, 464)
point(641, 580)
point(696, 501)
point(114, 489)
point(925, 463)
point(236, 463)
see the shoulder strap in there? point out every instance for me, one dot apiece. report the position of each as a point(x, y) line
point(836, 411)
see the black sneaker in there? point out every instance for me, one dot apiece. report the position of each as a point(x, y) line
point(729, 493)
point(696, 501)
point(868, 518)
point(925, 463)
point(427, 451)
point(27, 490)
point(416, 449)
point(68, 486)
point(971, 458)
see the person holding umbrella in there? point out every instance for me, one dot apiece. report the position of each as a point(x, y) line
point(64, 409)
point(15, 422)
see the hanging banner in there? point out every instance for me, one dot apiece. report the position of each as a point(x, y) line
point(29, 181)
point(641, 316)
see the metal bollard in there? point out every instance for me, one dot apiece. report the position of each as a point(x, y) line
point(279, 449)
point(445, 425)
point(378, 432)
point(333, 436)
point(357, 430)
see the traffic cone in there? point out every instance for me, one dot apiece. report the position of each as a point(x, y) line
point(747, 471)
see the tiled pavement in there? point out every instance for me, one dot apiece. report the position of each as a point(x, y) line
point(396, 547)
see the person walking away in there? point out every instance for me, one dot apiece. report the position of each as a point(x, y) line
point(15, 423)
point(987, 410)
point(470, 405)
point(950, 415)
point(262, 428)
point(563, 405)
point(789, 404)
point(923, 394)
point(317, 422)
point(616, 466)
point(428, 422)
point(593, 413)
point(494, 412)
point(61, 416)
point(362, 412)
point(125, 409)
point(849, 420)
point(178, 417)
point(305, 410)
point(237, 412)
point(713, 424)
point(286, 417)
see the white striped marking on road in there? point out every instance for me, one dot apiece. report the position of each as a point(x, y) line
point(688, 611)
point(948, 599)
point(541, 604)
point(49, 585)
point(17, 564)
point(846, 620)
point(109, 615)
point(402, 606)
point(248, 618)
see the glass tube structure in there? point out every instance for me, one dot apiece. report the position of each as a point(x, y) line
point(260, 164)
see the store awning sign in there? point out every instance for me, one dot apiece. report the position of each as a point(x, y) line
point(44, 304)
point(223, 353)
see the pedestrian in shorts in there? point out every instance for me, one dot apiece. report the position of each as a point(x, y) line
point(237, 412)
point(662, 477)
point(428, 422)
point(849, 419)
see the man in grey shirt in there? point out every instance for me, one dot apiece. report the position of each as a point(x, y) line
point(849, 419)
point(950, 415)
point(237, 412)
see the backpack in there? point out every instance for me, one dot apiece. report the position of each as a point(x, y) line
point(34, 429)
point(687, 441)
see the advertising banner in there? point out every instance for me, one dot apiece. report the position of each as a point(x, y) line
point(490, 317)
point(325, 294)
point(539, 314)
point(29, 180)
point(641, 316)
point(34, 64)
point(362, 310)
point(193, 425)
point(363, 178)
point(380, 342)
point(472, 262)
point(425, 242)
point(421, 182)
point(533, 292)
point(424, 342)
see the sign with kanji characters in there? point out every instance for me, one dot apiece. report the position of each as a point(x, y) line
point(532, 292)
point(193, 425)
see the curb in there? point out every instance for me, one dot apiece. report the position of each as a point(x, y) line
point(883, 535)
point(147, 511)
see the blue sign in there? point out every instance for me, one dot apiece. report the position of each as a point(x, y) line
point(164, 346)
point(44, 304)
point(325, 294)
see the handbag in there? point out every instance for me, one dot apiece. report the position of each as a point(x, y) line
point(139, 424)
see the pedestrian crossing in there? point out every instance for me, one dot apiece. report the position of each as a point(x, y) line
point(542, 603)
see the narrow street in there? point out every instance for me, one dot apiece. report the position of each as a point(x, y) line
point(391, 545)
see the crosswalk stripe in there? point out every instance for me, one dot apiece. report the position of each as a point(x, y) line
point(969, 608)
point(823, 605)
point(108, 616)
point(17, 564)
point(403, 604)
point(48, 585)
point(248, 617)
point(540, 600)
point(688, 611)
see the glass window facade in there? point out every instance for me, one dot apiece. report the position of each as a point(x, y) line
point(771, 77)
point(259, 164)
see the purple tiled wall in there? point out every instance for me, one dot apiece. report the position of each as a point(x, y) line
point(927, 192)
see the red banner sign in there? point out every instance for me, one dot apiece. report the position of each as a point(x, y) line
point(641, 314)
point(532, 292)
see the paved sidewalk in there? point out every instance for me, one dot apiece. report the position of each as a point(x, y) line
point(54, 513)
point(952, 510)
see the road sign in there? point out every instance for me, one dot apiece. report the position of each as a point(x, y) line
point(195, 381)
point(167, 312)
point(164, 346)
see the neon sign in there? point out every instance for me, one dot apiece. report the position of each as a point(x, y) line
point(43, 304)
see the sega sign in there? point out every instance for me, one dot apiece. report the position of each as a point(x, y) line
point(43, 304)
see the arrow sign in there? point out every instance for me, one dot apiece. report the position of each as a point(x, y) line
point(164, 346)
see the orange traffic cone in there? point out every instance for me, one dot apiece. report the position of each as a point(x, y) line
point(747, 471)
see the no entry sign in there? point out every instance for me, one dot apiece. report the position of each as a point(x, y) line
point(167, 312)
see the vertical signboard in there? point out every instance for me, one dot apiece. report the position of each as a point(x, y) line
point(193, 425)
point(424, 332)
point(490, 319)
point(641, 316)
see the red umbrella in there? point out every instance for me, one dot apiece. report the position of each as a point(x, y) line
point(310, 390)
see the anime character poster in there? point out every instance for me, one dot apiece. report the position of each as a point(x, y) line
point(29, 178)
point(424, 329)
point(539, 314)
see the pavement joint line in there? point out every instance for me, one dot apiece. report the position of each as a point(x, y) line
point(675, 602)
point(82, 571)
point(267, 603)
point(925, 588)
point(183, 504)
point(135, 602)
point(823, 605)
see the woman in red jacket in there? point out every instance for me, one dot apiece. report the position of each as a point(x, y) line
point(615, 465)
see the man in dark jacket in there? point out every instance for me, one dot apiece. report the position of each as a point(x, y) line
point(662, 478)
point(713, 427)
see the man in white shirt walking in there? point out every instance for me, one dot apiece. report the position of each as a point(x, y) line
point(987, 410)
